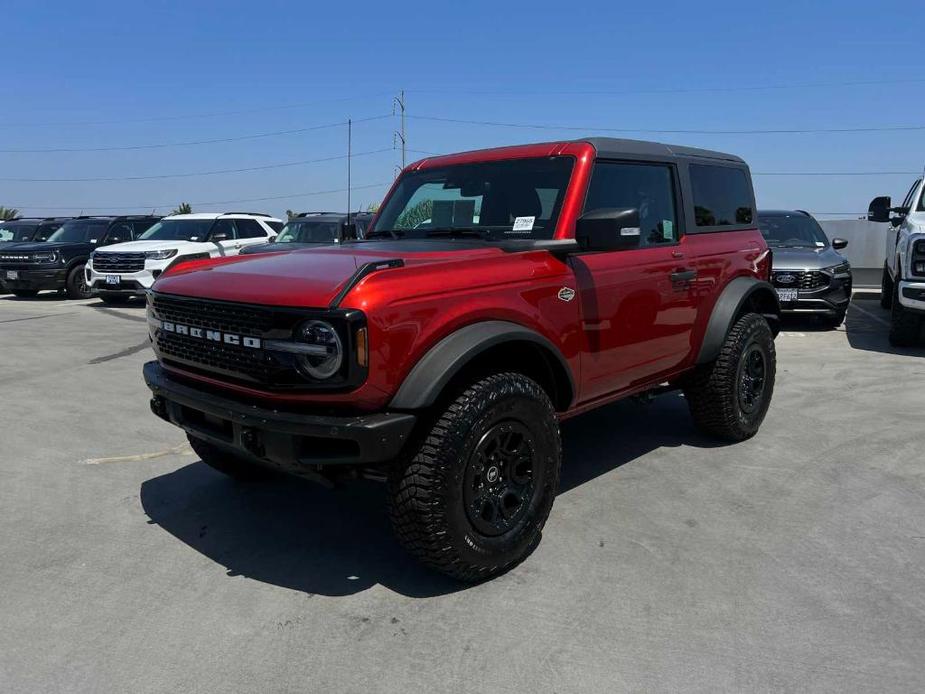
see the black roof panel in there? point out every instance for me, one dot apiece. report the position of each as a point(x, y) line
point(617, 147)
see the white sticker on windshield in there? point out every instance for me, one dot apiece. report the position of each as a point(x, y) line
point(92, 240)
point(523, 223)
point(819, 243)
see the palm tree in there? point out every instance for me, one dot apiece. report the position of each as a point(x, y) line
point(183, 208)
point(8, 213)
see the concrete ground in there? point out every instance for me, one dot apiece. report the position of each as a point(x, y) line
point(791, 562)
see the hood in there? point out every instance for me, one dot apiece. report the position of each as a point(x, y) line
point(29, 246)
point(806, 258)
point(311, 277)
point(141, 246)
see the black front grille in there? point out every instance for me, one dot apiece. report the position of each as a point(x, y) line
point(799, 279)
point(241, 319)
point(119, 262)
point(216, 356)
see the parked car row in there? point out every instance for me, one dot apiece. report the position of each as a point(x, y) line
point(116, 258)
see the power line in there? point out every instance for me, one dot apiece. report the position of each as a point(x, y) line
point(781, 131)
point(153, 206)
point(680, 90)
point(193, 174)
point(189, 143)
point(191, 116)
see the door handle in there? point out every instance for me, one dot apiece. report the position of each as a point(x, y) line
point(683, 275)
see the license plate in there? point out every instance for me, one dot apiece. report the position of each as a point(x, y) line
point(12, 274)
point(112, 279)
point(788, 294)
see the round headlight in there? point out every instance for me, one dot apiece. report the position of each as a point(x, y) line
point(326, 353)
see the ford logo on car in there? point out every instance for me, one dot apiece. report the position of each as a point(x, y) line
point(786, 279)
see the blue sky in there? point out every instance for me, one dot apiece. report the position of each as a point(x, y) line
point(117, 74)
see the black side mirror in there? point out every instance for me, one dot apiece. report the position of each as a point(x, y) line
point(879, 209)
point(220, 236)
point(608, 230)
point(838, 244)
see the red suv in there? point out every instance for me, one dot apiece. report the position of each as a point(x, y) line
point(498, 292)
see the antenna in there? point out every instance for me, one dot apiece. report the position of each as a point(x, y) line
point(399, 101)
point(349, 154)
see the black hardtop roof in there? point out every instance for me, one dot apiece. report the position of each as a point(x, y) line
point(119, 217)
point(34, 219)
point(612, 147)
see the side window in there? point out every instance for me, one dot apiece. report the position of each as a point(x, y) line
point(910, 196)
point(119, 233)
point(222, 226)
point(142, 225)
point(648, 188)
point(275, 226)
point(249, 229)
point(45, 231)
point(722, 196)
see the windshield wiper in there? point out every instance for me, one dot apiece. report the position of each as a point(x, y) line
point(459, 231)
point(390, 233)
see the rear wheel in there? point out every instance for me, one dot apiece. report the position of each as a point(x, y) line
point(886, 288)
point(227, 463)
point(472, 500)
point(730, 397)
point(76, 284)
point(25, 293)
point(904, 325)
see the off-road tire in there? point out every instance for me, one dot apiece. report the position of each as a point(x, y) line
point(904, 325)
point(114, 299)
point(76, 283)
point(429, 487)
point(226, 462)
point(886, 288)
point(25, 293)
point(714, 391)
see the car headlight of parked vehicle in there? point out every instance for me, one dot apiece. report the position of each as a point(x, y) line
point(46, 257)
point(161, 255)
point(317, 347)
point(840, 269)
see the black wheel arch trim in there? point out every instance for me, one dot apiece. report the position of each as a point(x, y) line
point(734, 297)
point(431, 374)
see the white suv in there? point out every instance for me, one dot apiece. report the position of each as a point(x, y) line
point(903, 284)
point(125, 269)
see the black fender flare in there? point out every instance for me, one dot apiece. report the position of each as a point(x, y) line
point(74, 262)
point(739, 293)
point(427, 379)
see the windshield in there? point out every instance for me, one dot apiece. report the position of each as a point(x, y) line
point(792, 231)
point(17, 232)
point(518, 198)
point(80, 230)
point(310, 231)
point(178, 230)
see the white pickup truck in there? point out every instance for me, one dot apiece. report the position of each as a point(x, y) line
point(903, 284)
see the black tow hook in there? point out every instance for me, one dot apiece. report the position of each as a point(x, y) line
point(159, 407)
point(250, 439)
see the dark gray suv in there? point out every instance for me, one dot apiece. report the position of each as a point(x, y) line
point(810, 275)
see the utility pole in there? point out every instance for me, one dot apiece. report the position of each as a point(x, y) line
point(349, 156)
point(399, 102)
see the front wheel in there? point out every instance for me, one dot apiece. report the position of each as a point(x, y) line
point(76, 284)
point(904, 325)
point(730, 397)
point(472, 500)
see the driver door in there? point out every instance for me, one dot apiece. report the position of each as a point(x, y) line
point(229, 245)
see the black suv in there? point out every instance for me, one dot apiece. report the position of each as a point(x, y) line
point(58, 263)
point(311, 229)
point(23, 229)
point(809, 274)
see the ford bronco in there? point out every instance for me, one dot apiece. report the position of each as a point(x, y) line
point(497, 293)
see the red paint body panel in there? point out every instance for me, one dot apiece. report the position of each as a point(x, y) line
point(629, 326)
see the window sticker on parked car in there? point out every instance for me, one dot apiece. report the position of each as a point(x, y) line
point(523, 223)
point(668, 230)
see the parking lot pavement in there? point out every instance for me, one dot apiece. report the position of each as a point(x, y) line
point(793, 561)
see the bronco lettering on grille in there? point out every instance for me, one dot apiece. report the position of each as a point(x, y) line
point(211, 335)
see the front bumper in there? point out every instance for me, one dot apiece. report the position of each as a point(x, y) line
point(284, 440)
point(129, 282)
point(912, 295)
point(33, 277)
point(829, 300)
